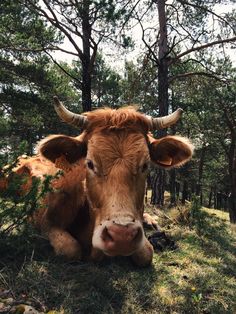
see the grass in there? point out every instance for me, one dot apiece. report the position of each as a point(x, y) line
point(198, 277)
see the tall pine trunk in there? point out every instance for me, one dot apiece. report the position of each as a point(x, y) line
point(159, 186)
point(184, 192)
point(86, 60)
point(173, 187)
point(210, 197)
point(200, 172)
point(232, 175)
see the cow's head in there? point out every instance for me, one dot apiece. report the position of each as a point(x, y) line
point(117, 148)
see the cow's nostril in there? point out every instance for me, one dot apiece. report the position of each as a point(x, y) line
point(106, 236)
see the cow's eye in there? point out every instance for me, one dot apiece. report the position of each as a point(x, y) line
point(144, 167)
point(90, 164)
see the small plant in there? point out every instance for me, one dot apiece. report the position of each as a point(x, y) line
point(197, 216)
point(183, 215)
point(197, 297)
point(19, 200)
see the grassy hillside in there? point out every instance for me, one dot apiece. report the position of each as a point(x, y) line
point(198, 277)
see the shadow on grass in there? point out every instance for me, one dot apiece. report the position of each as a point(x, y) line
point(33, 275)
point(199, 277)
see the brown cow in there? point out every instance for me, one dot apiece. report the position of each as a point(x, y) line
point(97, 207)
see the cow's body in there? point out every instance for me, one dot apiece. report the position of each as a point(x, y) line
point(97, 207)
point(65, 211)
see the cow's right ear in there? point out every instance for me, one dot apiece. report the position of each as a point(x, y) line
point(56, 146)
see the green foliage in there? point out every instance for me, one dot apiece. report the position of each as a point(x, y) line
point(26, 109)
point(140, 86)
point(15, 211)
point(106, 83)
point(23, 31)
point(18, 203)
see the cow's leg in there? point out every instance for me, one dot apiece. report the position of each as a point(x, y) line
point(64, 244)
point(143, 257)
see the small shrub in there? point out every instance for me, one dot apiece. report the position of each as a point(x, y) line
point(16, 205)
point(197, 217)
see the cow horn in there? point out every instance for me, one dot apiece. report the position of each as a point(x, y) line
point(67, 116)
point(166, 121)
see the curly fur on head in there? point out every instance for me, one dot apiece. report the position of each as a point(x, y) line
point(122, 118)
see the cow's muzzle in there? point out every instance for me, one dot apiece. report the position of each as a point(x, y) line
point(116, 239)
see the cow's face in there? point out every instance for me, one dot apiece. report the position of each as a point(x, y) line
point(117, 162)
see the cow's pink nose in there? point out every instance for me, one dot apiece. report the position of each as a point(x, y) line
point(121, 240)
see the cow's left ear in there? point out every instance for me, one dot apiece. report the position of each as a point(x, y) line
point(170, 151)
point(57, 146)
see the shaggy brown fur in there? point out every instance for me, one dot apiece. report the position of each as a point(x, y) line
point(122, 118)
point(117, 148)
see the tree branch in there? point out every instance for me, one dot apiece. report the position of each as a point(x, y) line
point(54, 21)
point(150, 50)
point(185, 75)
point(66, 72)
point(213, 43)
point(207, 10)
point(43, 49)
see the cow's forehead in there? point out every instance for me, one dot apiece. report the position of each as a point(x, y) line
point(118, 141)
point(107, 147)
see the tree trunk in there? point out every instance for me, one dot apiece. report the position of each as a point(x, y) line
point(154, 190)
point(200, 171)
point(232, 207)
point(215, 198)
point(172, 187)
point(86, 62)
point(232, 175)
point(163, 64)
point(184, 192)
point(177, 187)
point(210, 197)
point(218, 200)
point(159, 188)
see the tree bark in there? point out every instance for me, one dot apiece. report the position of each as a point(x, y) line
point(210, 198)
point(215, 198)
point(184, 192)
point(232, 175)
point(86, 60)
point(177, 188)
point(172, 187)
point(200, 172)
point(163, 64)
point(159, 188)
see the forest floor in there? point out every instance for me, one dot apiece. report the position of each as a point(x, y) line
point(197, 277)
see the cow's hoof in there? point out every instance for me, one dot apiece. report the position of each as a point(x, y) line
point(143, 257)
point(150, 221)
